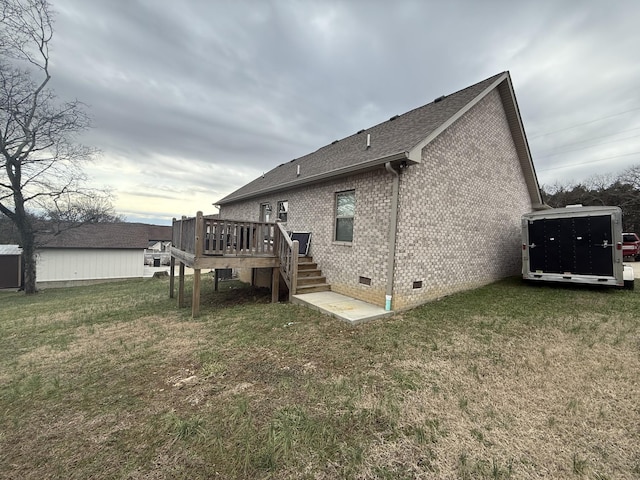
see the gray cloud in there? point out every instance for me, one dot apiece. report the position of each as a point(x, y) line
point(203, 96)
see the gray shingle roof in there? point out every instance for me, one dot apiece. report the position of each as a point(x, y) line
point(390, 140)
point(107, 235)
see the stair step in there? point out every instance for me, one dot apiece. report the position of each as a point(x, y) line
point(323, 287)
point(317, 280)
point(310, 273)
point(307, 266)
point(305, 260)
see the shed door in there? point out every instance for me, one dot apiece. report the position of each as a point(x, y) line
point(9, 271)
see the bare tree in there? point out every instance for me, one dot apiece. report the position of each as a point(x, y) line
point(40, 158)
point(631, 176)
point(622, 190)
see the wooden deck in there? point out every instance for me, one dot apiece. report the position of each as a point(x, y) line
point(209, 242)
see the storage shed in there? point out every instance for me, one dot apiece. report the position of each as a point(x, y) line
point(10, 266)
point(95, 252)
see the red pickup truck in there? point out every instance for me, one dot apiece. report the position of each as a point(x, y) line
point(631, 245)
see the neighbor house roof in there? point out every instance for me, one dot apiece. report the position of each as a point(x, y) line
point(106, 235)
point(401, 138)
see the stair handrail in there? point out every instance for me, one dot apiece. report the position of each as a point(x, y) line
point(288, 251)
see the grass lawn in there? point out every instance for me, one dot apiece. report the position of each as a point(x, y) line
point(507, 381)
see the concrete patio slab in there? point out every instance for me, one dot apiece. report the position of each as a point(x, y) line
point(342, 307)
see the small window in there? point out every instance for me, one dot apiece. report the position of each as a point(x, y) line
point(345, 211)
point(283, 210)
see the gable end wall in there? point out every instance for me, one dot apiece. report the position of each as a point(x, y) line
point(459, 210)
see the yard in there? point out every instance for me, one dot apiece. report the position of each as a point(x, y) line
point(507, 381)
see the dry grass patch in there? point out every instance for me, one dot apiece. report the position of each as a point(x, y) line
point(176, 337)
point(528, 412)
point(502, 382)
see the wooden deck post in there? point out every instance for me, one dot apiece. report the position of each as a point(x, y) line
point(181, 286)
point(216, 279)
point(275, 284)
point(172, 278)
point(199, 251)
point(195, 301)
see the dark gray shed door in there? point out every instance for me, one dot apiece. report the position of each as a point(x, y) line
point(9, 271)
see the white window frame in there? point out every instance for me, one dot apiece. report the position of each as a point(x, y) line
point(286, 212)
point(336, 217)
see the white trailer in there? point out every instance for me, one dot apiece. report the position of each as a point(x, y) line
point(575, 244)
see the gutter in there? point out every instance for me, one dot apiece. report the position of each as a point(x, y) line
point(393, 227)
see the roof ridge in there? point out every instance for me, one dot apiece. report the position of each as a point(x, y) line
point(395, 117)
point(447, 95)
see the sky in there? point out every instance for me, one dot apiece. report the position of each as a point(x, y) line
point(192, 99)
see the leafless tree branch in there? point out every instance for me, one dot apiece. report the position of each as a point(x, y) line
point(40, 158)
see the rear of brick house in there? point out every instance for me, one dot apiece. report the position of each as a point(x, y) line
point(438, 195)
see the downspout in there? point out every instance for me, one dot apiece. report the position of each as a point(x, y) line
point(393, 225)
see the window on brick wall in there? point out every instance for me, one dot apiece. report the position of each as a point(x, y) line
point(345, 211)
point(283, 210)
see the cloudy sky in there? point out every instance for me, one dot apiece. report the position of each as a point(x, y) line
point(192, 99)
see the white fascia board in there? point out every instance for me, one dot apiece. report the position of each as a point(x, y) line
point(527, 162)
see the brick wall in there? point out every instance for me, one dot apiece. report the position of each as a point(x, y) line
point(313, 208)
point(460, 209)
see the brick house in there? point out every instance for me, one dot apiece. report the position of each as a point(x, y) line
point(420, 206)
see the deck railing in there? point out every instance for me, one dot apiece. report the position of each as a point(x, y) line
point(210, 235)
point(288, 253)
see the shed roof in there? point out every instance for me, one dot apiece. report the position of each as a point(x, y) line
point(10, 250)
point(107, 236)
point(402, 137)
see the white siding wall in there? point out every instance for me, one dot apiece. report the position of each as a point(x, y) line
point(88, 264)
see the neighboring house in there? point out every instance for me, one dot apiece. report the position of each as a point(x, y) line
point(420, 206)
point(96, 252)
point(158, 252)
point(159, 246)
point(10, 266)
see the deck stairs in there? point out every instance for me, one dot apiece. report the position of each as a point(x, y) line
point(310, 278)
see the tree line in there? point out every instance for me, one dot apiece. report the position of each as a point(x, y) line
point(622, 190)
